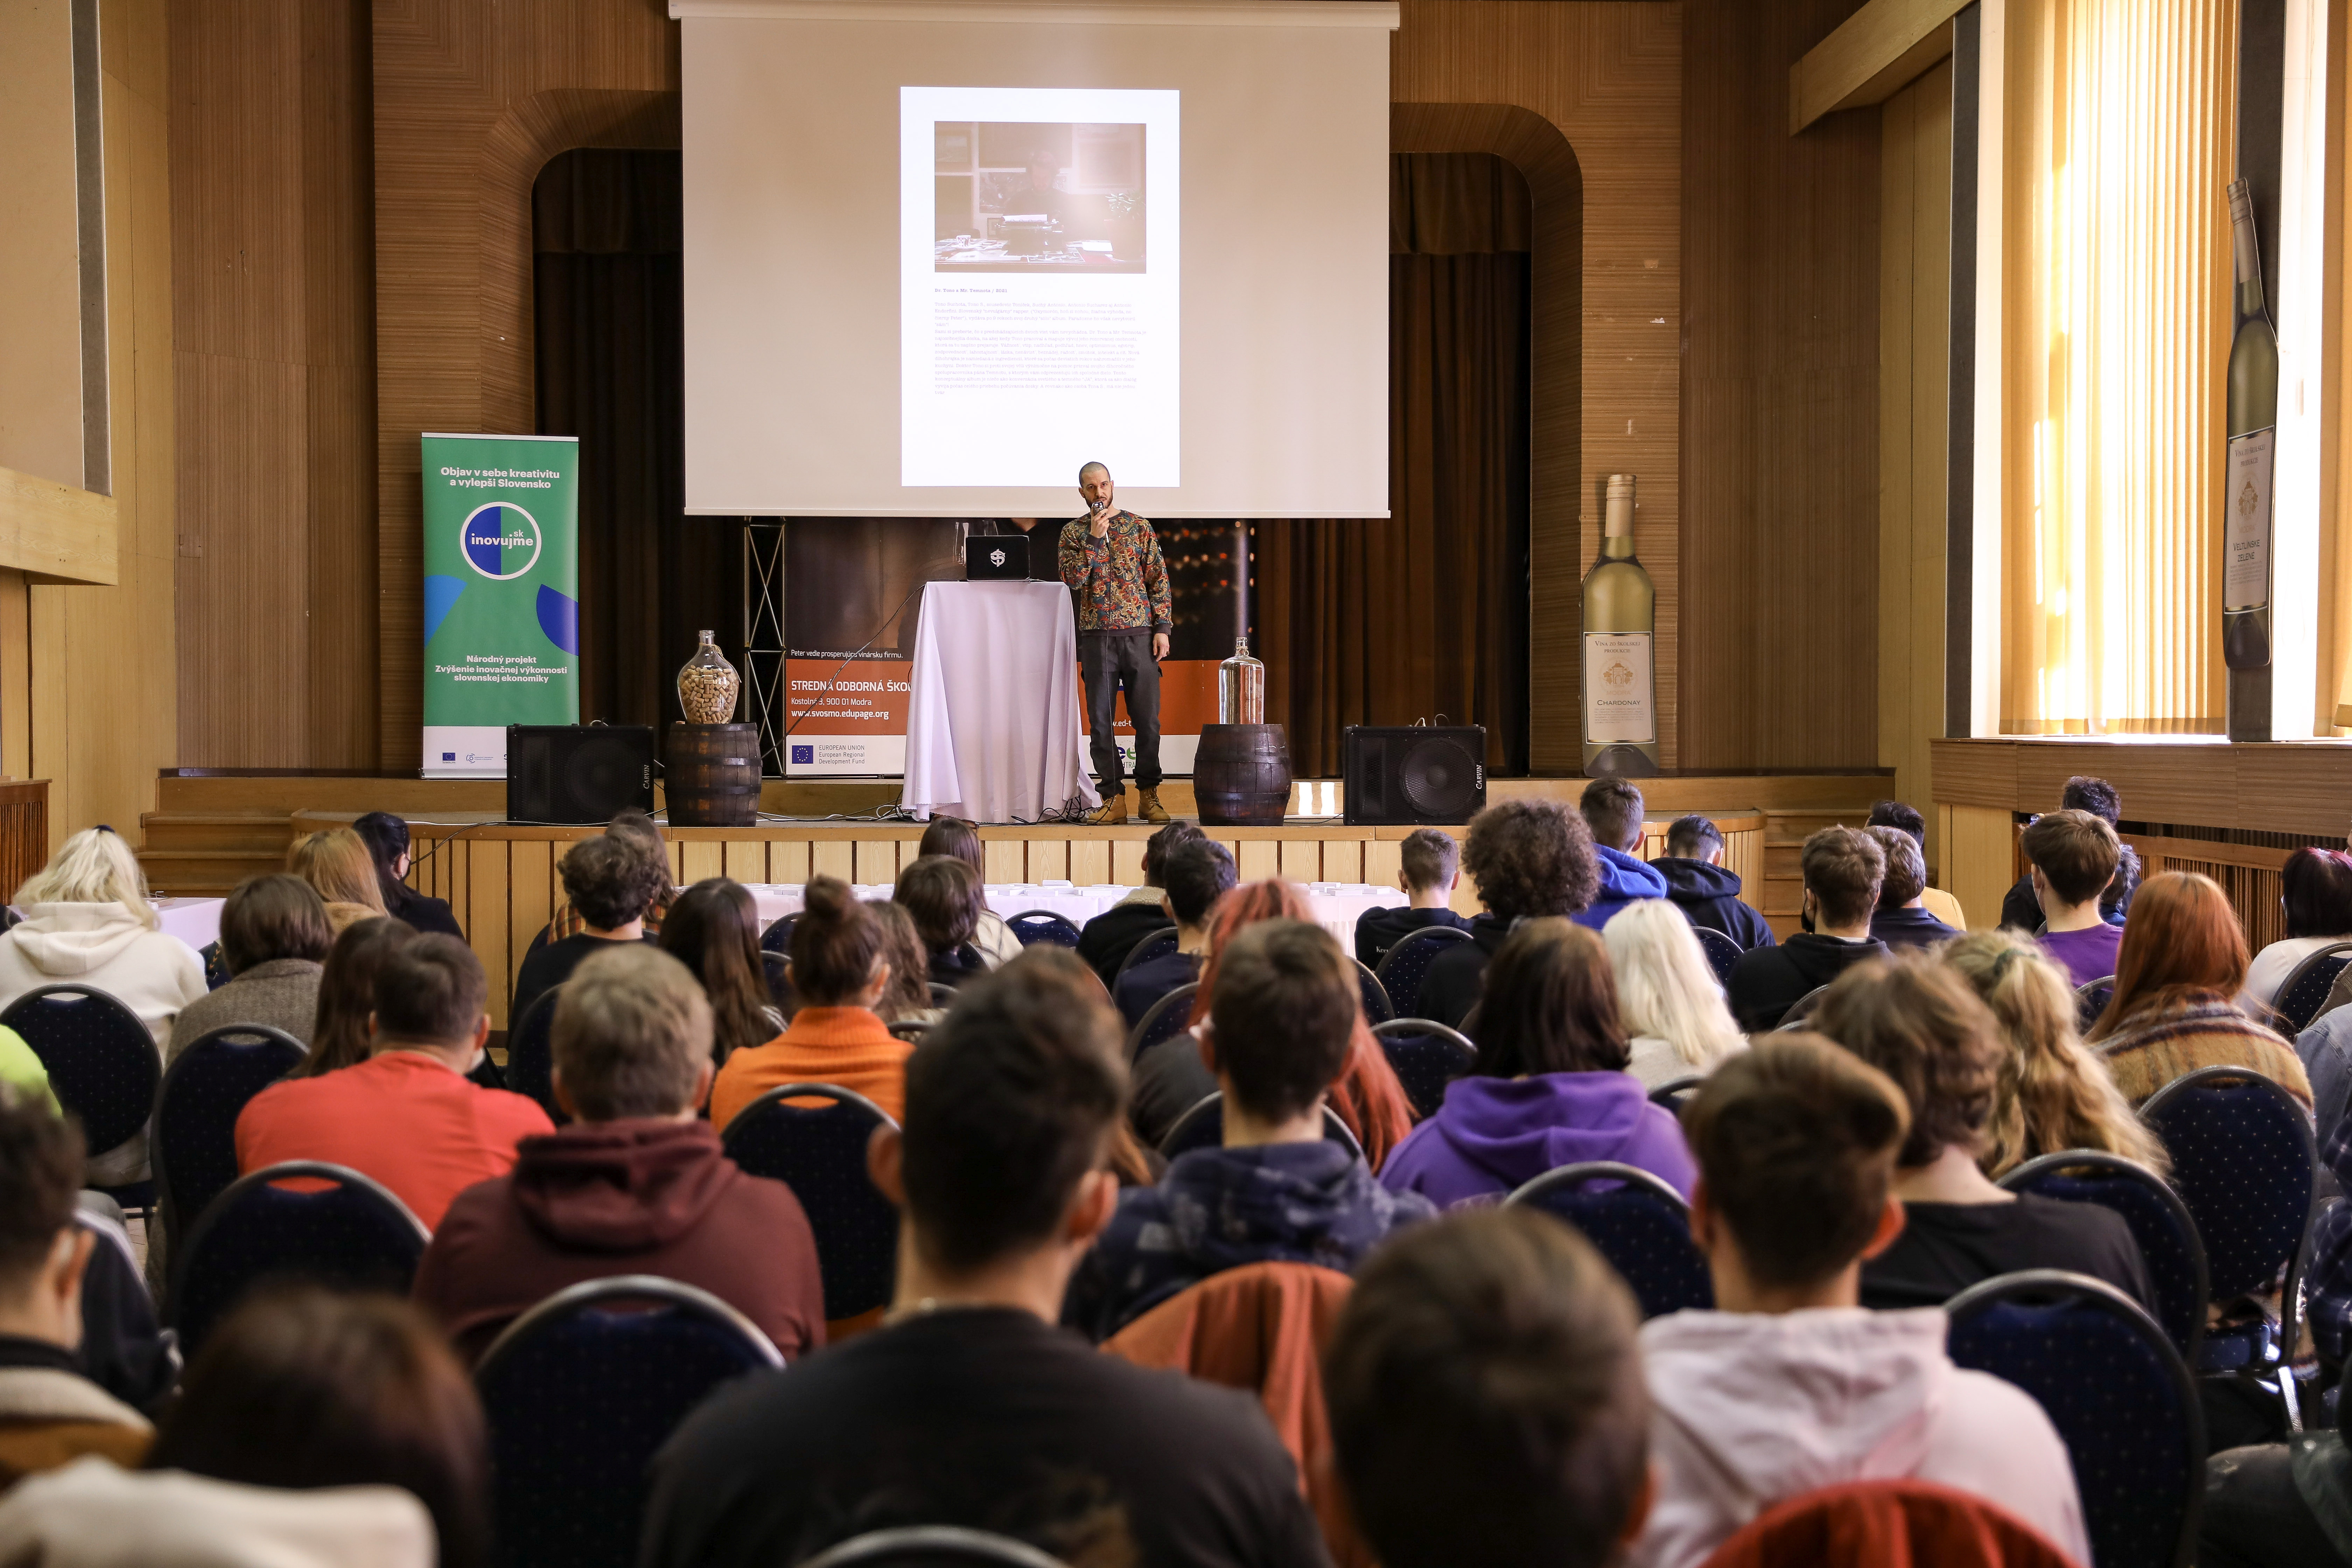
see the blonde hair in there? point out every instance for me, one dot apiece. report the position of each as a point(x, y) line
point(337, 863)
point(1665, 987)
point(2052, 1092)
point(93, 866)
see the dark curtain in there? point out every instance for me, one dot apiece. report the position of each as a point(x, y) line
point(1424, 615)
point(608, 315)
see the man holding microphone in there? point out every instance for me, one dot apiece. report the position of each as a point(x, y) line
point(1111, 560)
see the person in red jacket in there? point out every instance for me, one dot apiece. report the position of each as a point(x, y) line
point(637, 1184)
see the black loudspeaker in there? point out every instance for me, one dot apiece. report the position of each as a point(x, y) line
point(578, 774)
point(1413, 776)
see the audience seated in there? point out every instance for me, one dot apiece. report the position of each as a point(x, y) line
point(1676, 1020)
point(1702, 888)
point(386, 836)
point(2328, 1271)
point(1429, 867)
point(945, 898)
point(1786, 1387)
point(1529, 858)
point(51, 1412)
point(840, 972)
point(972, 1407)
point(1613, 809)
point(87, 922)
point(2020, 909)
point(2325, 1051)
point(960, 840)
point(303, 1389)
point(640, 832)
point(274, 937)
point(1281, 1024)
point(93, 1515)
point(1111, 935)
point(1934, 900)
point(1485, 1398)
point(2075, 855)
point(2051, 1092)
point(2178, 974)
point(124, 1350)
point(338, 1036)
point(2277, 1505)
point(406, 1116)
point(1550, 1088)
point(1842, 868)
point(1199, 872)
point(1901, 919)
point(1918, 1023)
point(340, 869)
point(714, 930)
point(636, 1185)
point(610, 882)
point(2315, 892)
point(908, 997)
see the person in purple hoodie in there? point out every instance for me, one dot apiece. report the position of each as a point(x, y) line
point(1550, 1088)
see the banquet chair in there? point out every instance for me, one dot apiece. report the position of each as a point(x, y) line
point(778, 936)
point(1164, 1020)
point(819, 1150)
point(1641, 1225)
point(1722, 951)
point(103, 1066)
point(1203, 1127)
point(2305, 991)
point(1801, 1009)
point(1675, 1092)
point(531, 1055)
point(773, 967)
point(2091, 999)
point(911, 1030)
point(1869, 1524)
point(1044, 925)
point(349, 1234)
point(205, 1088)
point(2158, 1220)
point(1378, 1009)
point(2122, 1399)
point(1425, 1056)
point(932, 1546)
point(582, 1391)
point(1155, 945)
point(1404, 967)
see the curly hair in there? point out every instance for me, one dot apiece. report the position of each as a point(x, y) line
point(1532, 857)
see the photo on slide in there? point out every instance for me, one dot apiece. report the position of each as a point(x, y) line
point(1045, 199)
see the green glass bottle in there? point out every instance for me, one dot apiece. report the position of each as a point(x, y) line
point(1621, 623)
point(2252, 427)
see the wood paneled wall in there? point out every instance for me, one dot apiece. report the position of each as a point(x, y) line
point(273, 299)
point(1780, 383)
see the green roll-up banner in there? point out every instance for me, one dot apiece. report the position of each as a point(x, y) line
point(501, 595)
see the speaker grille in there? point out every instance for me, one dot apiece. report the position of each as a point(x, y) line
point(1440, 779)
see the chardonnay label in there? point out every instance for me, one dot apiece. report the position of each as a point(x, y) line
point(2246, 527)
point(1617, 690)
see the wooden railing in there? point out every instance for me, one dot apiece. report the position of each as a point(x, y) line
point(24, 832)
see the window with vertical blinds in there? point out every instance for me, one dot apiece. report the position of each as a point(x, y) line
point(2117, 148)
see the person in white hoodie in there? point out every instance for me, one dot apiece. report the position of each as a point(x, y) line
point(1789, 1385)
point(87, 922)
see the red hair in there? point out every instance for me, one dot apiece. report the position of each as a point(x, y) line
point(2181, 942)
point(1367, 1095)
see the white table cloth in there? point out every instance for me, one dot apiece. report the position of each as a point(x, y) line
point(195, 921)
point(993, 706)
point(1334, 906)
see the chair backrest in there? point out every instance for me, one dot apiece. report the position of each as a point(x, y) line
point(1044, 925)
point(2091, 999)
point(2243, 1163)
point(1163, 1020)
point(1425, 1056)
point(1801, 1009)
point(2305, 991)
point(346, 1231)
point(909, 1029)
point(1672, 1094)
point(932, 1546)
point(2159, 1222)
point(819, 1150)
point(1377, 1008)
point(1637, 1222)
point(582, 1391)
point(531, 1054)
point(1202, 1126)
point(775, 968)
point(778, 936)
point(208, 1083)
point(2119, 1395)
point(942, 994)
point(1156, 945)
point(101, 1060)
point(1867, 1524)
point(1722, 951)
point(1406, 965)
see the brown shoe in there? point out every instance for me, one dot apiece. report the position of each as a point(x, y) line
point(1149, 800)
point(1113, 812)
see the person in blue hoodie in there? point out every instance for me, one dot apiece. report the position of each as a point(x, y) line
point(1613, 809)
point(1701, 887)
point(1550, 1087)
point(1280, 1025)
point(1529, 858)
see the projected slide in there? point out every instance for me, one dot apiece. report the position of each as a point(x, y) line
point(1038, 290)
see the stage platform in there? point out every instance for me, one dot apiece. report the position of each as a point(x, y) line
point(213, 829)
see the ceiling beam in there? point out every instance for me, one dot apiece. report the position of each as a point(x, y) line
point(1874, 55)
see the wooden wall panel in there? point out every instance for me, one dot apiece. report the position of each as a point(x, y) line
point(1779, 380)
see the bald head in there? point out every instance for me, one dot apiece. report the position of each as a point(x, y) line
point(1091, 470)
point(1094, 484)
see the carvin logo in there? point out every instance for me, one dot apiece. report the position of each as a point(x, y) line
point(500, 540)
point(1618, 676)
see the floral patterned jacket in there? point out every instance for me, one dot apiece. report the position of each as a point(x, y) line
point(1120, 582)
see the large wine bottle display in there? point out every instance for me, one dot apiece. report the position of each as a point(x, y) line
point(2253, 421)
point(1621, 623)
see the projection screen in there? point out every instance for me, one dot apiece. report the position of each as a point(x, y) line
point(940, 253)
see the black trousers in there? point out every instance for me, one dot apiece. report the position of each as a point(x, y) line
point(2256, 1515)
point(1107, 661)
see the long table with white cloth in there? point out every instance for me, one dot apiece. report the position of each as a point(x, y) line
point(1334, 906)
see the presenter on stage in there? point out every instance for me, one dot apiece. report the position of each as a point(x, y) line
point(1111, 559)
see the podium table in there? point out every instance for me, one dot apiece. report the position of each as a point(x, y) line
point(993, 706)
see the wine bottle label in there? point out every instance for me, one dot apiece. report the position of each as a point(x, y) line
point(2246, 524)
point(1617, 691)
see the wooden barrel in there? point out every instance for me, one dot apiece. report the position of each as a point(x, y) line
point(713, 777)
point(1241, 775)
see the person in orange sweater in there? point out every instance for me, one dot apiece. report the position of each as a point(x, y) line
point(840, 973)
